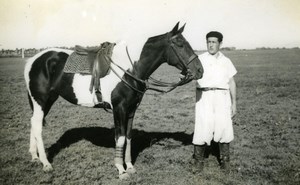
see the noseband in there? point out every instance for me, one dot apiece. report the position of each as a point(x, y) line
point(190, 60)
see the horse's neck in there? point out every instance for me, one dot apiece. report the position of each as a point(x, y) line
point(145, 67)
point(150, 59)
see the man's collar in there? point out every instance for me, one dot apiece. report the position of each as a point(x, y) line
point(217, 55)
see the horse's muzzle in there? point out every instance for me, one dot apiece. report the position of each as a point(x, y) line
point(187, 75)
point(192, 75)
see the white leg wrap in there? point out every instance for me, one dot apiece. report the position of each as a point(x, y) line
point(119, 155)
point(120, 141)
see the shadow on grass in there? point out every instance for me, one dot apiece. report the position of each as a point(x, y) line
point(104, 137)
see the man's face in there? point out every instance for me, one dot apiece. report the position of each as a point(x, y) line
point(213, 45)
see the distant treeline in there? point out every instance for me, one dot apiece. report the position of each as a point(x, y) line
point(27, 52)
point(268, 48)
point(32, 51)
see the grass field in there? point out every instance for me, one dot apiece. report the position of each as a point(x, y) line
point(80, 141)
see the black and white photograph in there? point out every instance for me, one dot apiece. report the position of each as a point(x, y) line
point(150, 92)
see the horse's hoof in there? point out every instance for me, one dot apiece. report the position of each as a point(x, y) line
point(131, 170)
point(47, 168)
point(35, 160)
point(124, 176)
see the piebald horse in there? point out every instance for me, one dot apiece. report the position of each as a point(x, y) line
point(121, 89)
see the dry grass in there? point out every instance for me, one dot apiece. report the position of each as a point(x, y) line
point(80, 140)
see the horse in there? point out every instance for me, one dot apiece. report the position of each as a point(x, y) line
point(122, 88)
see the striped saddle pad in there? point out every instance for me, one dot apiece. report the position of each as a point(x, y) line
point(77, 64)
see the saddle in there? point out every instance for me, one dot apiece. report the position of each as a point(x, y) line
point(85, 51)
point(95, 61)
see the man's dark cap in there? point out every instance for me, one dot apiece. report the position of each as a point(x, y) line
point(215, 34)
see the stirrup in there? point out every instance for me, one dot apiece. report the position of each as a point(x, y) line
point(103, 105)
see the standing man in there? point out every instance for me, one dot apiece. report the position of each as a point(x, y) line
point(215, 103)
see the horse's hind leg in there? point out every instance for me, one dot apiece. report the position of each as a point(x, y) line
point(32, 145)
point(36, 140)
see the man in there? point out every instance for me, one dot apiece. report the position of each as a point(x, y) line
point(215, 103)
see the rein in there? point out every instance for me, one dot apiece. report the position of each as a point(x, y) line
point(158, 83)
point(129, 74)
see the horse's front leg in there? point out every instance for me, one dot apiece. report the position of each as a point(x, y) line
point(120, 131)
point(119, 157)
point(128, 161)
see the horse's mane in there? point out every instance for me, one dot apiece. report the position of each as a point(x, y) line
point(150, 42)
point(154, 38)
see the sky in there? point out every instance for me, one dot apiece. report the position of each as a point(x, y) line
point(245, 24)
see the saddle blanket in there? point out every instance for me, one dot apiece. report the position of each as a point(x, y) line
point(77, 64)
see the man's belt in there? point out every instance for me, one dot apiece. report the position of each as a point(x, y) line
point(210, 88)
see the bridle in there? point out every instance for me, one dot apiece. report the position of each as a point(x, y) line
point(191, 58)
point(187, 78)
point(151, 83)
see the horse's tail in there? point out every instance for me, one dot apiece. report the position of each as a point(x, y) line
point(27, 71)
point(30, 101)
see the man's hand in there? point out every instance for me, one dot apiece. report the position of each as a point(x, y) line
point(233, 110)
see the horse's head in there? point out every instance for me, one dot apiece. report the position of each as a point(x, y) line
point(180, 54)
point(173, 49)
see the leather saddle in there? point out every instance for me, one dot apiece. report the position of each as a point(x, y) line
point(98, 60)
point(85, 50)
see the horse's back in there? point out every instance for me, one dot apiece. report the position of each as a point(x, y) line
point(44, 74)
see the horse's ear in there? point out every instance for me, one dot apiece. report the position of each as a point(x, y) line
point(175, 29)
point(181, 29)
